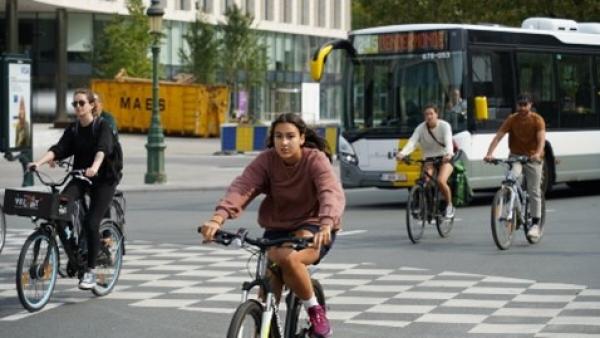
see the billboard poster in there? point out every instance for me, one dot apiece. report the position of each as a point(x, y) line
point(19, 105)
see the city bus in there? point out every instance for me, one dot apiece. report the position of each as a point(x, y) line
point(473, 73)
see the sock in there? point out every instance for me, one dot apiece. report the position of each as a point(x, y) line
point(310, 302)
point(535, 220)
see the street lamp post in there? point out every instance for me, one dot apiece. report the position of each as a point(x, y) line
point(156, 142)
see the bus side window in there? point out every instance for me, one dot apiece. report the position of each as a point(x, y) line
point(574, 81)
point(535, 72)
point(491, 78)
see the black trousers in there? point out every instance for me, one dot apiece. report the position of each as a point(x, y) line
point(101, 194)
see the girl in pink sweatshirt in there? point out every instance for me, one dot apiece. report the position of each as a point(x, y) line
point(303, 198)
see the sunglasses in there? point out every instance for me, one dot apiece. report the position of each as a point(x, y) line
point(80, 103)
point(523, 103)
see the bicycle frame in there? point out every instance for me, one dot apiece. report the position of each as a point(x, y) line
point(511, 183)
point(263, 282)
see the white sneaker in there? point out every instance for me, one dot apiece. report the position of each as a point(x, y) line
point(88, 281)
point(449, 211)
point(534, 232)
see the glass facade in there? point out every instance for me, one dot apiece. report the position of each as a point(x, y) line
point(287, 65)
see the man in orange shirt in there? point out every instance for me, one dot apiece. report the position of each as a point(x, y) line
point(526, 137)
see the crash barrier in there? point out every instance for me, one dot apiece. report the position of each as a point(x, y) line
point(239, 137)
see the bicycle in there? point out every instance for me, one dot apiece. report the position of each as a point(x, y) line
point(425, 205)
point(39, 261)
point(260, 318)
point(510, 207)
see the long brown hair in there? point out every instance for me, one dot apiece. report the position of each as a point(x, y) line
point(311, 139)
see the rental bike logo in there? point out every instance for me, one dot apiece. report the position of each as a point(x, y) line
point(27, 202)
point(126, 102)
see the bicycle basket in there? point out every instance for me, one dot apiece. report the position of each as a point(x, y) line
point(38, 204)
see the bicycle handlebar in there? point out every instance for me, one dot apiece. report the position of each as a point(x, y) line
point(510, 160)
point(435, 160)
point(78, 174)
point(226, 238)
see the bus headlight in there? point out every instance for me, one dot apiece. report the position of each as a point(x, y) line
point(346, 152)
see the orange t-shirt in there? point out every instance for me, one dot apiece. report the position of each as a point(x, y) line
point(522, 132)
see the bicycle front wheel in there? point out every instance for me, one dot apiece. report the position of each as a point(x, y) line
point(37, 271)
point(295, 317)
point(442, 223)
point(110, 258)
point(246, 321)
point(2, 228)
point(415, 213)
point(503, 219)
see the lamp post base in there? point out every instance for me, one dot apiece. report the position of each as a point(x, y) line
point(156, 163)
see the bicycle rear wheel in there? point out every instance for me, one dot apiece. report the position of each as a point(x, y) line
point(246, 321)
point(37, 271)
point(503, 220)
point(442, 223)
point(296, 323)
point(526, 227)
point(2, 228)
point(415, 213)
point(110, 258)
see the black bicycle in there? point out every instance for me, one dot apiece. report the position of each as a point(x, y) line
point(511, 207)
point(425, 203)
point(261, 317)
point(39, 261)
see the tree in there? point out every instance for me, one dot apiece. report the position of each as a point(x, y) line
point(124, 44)
point(204, 47)
point(243, 57)
point(368, 13)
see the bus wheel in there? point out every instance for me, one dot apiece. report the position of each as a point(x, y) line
point(546, 184)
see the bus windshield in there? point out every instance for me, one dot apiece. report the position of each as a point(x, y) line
point(388, 92)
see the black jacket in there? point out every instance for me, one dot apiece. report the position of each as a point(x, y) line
point(83, 143)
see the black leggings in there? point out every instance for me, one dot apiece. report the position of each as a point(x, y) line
point(101, 195)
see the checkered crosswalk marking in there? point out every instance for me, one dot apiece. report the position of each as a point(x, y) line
point(207, 280)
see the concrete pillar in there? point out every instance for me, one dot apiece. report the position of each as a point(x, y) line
point(61, 118)
point(12, 27)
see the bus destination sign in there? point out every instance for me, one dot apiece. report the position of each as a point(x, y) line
point(404, 42)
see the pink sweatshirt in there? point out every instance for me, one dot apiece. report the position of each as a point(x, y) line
point(305, 193)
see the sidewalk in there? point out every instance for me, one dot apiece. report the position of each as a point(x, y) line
point(190, 163)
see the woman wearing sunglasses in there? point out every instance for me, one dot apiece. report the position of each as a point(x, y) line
point(89, 141)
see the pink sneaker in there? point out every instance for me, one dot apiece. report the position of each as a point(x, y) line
point(319, 323)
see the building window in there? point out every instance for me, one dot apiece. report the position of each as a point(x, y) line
point(248, 6)
point(269, 14)
point(321, 13)
point(337, 12)
point(286, 11)
point(206, 6)
point(226, 4)
point(183, 5)
point(304, 12)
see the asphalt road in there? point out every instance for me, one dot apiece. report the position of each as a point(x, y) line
point(380, 284)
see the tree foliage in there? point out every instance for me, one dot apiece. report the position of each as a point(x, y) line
point(369, 13)
point(202, 59)
point(243, 54)
point(124, 44)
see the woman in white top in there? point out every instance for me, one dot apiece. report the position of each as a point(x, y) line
point(435, 138)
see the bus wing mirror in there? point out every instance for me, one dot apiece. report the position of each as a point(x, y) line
point(481, 108)
point(317, 64)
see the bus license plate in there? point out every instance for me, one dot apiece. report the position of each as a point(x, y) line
point(393, 177)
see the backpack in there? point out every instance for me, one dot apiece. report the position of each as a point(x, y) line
point(115, 159)
point(459, 183)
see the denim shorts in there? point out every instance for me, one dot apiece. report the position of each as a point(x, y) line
point(276, 234)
